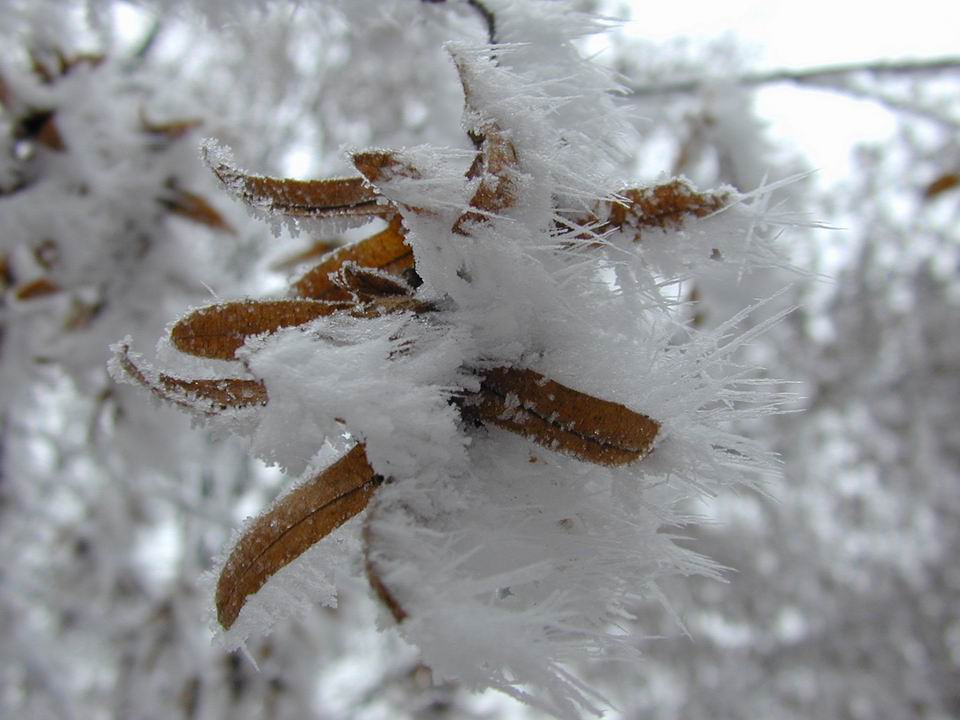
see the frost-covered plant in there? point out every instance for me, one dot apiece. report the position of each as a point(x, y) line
point(82, 137)
point(103, 225)
point(495, 374)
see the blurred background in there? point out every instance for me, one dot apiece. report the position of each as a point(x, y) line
point(843, 594)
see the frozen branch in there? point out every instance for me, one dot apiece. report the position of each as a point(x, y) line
point(828, 75)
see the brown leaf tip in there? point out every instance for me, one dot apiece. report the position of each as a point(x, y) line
point(379, 166)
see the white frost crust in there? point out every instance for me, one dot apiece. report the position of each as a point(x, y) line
point(513, 574)
point(387, 380)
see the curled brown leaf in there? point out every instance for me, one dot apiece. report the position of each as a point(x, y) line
point(369, 284)
point(194, 207)
point(663, 206)
point(947, 181)
point(378, 166)
point(203, 396)
point(336, 197)
point(291, 526)
point(218, 331)
point(172, 130)
point(560, 418)
point(385, 250)
point(497, 189)
point(6, 272)
point(41, 287)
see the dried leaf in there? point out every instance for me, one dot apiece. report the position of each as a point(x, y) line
point(384, 251)
point(942, 184)
point(291, 526)
point(173, 130)
point(378, 166)
point(379, 306)
point(338, 197)
point(497, 190)
point(496, 161)
point(368, 283)
point(41, 128)
point(222, 393)
point(217, 331)
point(560, 418)
point(41, 287)
point(206, 396)
point(662, 206)
point(6, 272)
point(195, 208)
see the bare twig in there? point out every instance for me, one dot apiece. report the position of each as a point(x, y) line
point(489, 18)
point(819, 76)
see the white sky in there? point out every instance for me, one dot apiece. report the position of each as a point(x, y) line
point(812, 32)
point(798, 33)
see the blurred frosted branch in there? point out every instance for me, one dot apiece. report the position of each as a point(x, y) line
point(842, 78)
point(825, 75)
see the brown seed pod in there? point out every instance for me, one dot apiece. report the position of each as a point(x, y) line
point(173, 130)
point(291, 526)
point(662, 206)
point(495, 164)
point(382, 165)
point(379, 306)
point(217, 331)
point(368, 283)
point(941, 185)
point(41, 287)
point(196, 208)
point(560, 418)
point(384, 251)
point(497, 190)
point(205, 396)
point(221, 393)
point(6, 273)
point(336, 197)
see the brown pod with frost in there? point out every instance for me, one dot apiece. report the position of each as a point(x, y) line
point(560, 418)
point(385, 251)
point(218, 331)
point(329, 198)
point(291, 526)
point(203, 396)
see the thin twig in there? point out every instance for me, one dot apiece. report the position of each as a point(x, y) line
point(811, 76)
point(489, 18)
